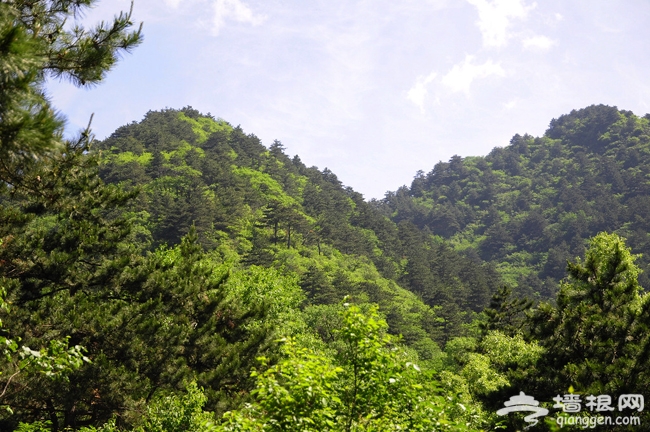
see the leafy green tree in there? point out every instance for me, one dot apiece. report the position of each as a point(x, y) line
point(374, 380)
point(484, 373)
point(176, 413)
point(55, 362)
point(297, 394)
point(370, 385)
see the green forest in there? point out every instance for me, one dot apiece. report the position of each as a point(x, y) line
point(179, 275)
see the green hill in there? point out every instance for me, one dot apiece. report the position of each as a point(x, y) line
point(530, 206)
point(174, 257)
point(194, 170)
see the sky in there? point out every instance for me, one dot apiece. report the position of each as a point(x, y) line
point(374, 90)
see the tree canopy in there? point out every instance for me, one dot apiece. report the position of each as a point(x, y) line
point(179, 275)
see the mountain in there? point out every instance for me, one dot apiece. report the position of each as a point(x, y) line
point(180, 266)
point(531, 206)
point(274, 211)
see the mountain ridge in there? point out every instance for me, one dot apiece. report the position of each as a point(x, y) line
point(534, 203)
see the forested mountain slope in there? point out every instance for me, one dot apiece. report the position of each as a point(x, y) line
point(275, 211)
point(530, 206)
point(205, 274)
point(180, 276)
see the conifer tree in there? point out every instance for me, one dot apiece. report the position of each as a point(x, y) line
point(57, 231)
point(505, 313)
point(596, 338)
point(36, 43)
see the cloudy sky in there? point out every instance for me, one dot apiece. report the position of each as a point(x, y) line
point(375, 90)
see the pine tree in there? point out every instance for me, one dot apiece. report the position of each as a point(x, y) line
point(596, 338)
point(35, 43)
point(505, 313)
point(59, 233)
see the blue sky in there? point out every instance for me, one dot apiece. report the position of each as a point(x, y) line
point(374, 90)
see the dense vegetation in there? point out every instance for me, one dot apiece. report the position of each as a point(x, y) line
point(193, 170)
point(531, 206)
point(179, 275)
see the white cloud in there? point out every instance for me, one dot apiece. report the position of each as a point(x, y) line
point(418, 92)
point(494, 18)
point(559, 17)
point(235, 10)
point(538, 42)
point(510, 105)
point(461, 76)
point(173, 3)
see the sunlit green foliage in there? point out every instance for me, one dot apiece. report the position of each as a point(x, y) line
point(370, 385)
point(127, 157)
point(531, 206)
point(180, 252)
point(176, 413)
point(55, 362)
point(203, 127)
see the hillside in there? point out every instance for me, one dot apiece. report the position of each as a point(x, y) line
point(182, 276)
point(180, 273)
point(275, 211)
point(532, 205)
